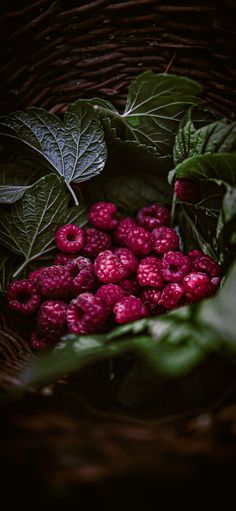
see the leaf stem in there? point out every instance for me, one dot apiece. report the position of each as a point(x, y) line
point(72, 193)
point(19, 270)
point(173, 207)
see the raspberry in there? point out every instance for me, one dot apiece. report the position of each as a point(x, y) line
point(129, 308)
point(164, 239)
point(123, 227)
point(55, 282)
point(22, 296)
point(110, 294)
point(130, 285)
point(127, 259)
point(108, 267)
point(82, 273)
point(174, 266)
point(51, 318)
point(95, 241)
point(187, 190)
point(195, 253)
point(149, 272)
point(63, 258)
point(138, 240)
point(196, 286)
point(153, 216)
point(150, 297)
point(171, 295)
point(101, 215)
point(39, 342)
point(86, 314)
point(69, 238)
point(33, 275)
point(213, 285)
point(205, 264)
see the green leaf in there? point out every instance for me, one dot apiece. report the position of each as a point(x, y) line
point(28, 229)
point(74, 148)
point(218, 167)
point(155, 105)
point(16, 176)
point(11, 194)
point(217, 137)
point(229, 205)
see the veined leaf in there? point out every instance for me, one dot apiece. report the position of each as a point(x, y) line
point(218, 167)
point(74, 148)
point(11, 194)
point(217, 137)
point(28, 229)
point(155, 105)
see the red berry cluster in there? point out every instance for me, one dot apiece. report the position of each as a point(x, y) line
point(116, 271)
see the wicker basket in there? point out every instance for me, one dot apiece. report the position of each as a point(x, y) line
point(59, 51)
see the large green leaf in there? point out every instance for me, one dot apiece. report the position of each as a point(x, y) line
point(74, 148)
point(217, 137)
point(28, 229)
point(218, 167)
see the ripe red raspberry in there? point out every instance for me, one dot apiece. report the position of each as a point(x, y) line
point(51, 318)
point(82, 274)
point(205, 264)
point(195, 253)
point(174, 266)
point(55, 282)
point(196, 286)
point(138, 240)
point(186, 190)
point(61, 258)
point(129, 308)
point(153, 216)
point(164, 239)
point(69, 238)
point(110, 294)
point(130, 285)
point(86, 314)
point(213, 285)
point(150, 297)
point(22, 296)
point(127, 259)
point(171, 295)
point(33, 275)
point(123, 227)
point(108, 267)
point(95, 242)
point(39, 341)
point(102, 214)
point(149, 272)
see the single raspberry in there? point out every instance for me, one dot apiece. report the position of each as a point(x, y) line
point(82, 273)
point(195, 253)
point(130, 285)
point(123, 227)
point(86, 314)
point(205, 264)
point(33, 275)
point(22, 296)
point(39, 341)
point(196, 285)
point(149, 272)
point(61, 258)
point(153, 216)
point(69, 238)
point(138, 240)
point(110, 294)
point(108, 267)
point(164, 239)
point(174, 266)
point(95, 242)
point(150, 296)
point(171, 295)
point(101, 216)
point(187, 191)
point(55, 282)
point(213, 285)
point(51, 318)
point(127, 259)
point(129, 308)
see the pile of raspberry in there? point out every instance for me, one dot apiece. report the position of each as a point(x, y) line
point(115, 271)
